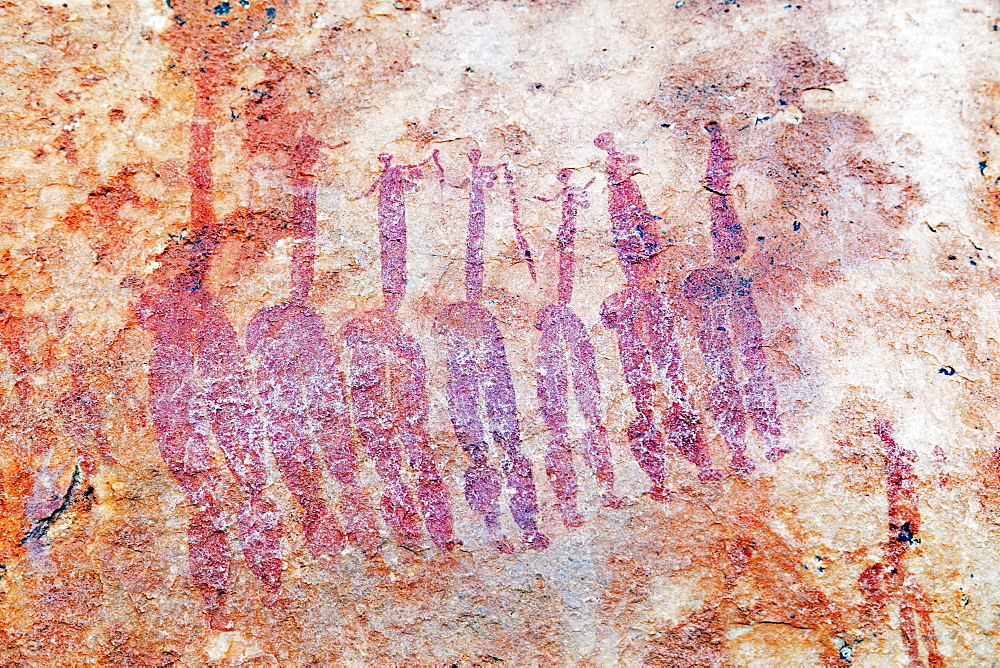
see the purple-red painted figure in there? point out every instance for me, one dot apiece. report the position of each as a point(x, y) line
point(725, 305)
point(889, 579)
point(647, 342)
point(480, 376)
point(200, 388)
point(388, 381)
point(566, 352)
point(301, 385)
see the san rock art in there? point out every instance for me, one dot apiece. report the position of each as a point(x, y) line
point(889, 579)
point(388, 381)
point(198, 378)
point(284, 381)
point(647, 340)
point(480, 378)
point(725, 303)
point(566, 354)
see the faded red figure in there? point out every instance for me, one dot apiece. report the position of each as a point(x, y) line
point(647, 342)
point(566, 352)
point(727, 312)
point(80, 412)
point(299, 379)
point(480, 377)
point(198, 377)
point(388, 381)
point(889, 580)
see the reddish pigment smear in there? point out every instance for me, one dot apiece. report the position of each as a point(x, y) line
point(301, 386)
point(726, 312)
point(566, 351)
point(80, 412)
point(889, 579)
point(388, 382)
point(199, 387)
point(480, 376)
point(646, 337)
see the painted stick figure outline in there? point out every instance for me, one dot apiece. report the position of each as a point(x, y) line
point(647, 342)
point(890, 579)
point(200, 388)
point(388, 375)
point(724, 302)
point(480, 375)
point(566, 354)
point(301, 385)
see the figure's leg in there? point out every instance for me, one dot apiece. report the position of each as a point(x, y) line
point(553, 390)
point(681, 421)
point(924, 625)
point(587, 387)
point(761, 395)
point(908, 632)
point(501, 411)
point(279, 382)
point(240, 434)
point(183, 444)
point(325, 401)
point(411, 404)
point(645, 440)
point(482, 485)
point(375, 424)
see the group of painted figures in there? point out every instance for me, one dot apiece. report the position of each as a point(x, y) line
point(201, 385)
point(305, 405)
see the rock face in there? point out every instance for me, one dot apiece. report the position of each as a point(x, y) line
point(466, 332)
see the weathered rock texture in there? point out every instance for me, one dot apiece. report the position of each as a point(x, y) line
point(462, 332)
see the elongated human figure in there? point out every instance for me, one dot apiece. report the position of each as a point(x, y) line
point(480, 377)
point(301, 385)
point(566, 352)
point(889, 579)
point(647, 342)
point(200, 387)
point(388, 381)
point(726, 312)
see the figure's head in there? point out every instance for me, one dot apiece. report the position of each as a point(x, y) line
point(605, 141)
point(385, 158)
point(475, 155)
point(564, 174)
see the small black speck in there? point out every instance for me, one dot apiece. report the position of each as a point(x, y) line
point(538, 86)
point(982, 167)
point(796, 226)
point(947, 370)
point(973, 263)
point(952, 257)
point(761, 238)
point(223, 23)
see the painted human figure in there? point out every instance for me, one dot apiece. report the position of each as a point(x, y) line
point(301, 385)
point(566, 352)
point(890, 579)
point(647, 342)
point(388, 381)
point(480, 376)
point(200, 388)
point(727, 313)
